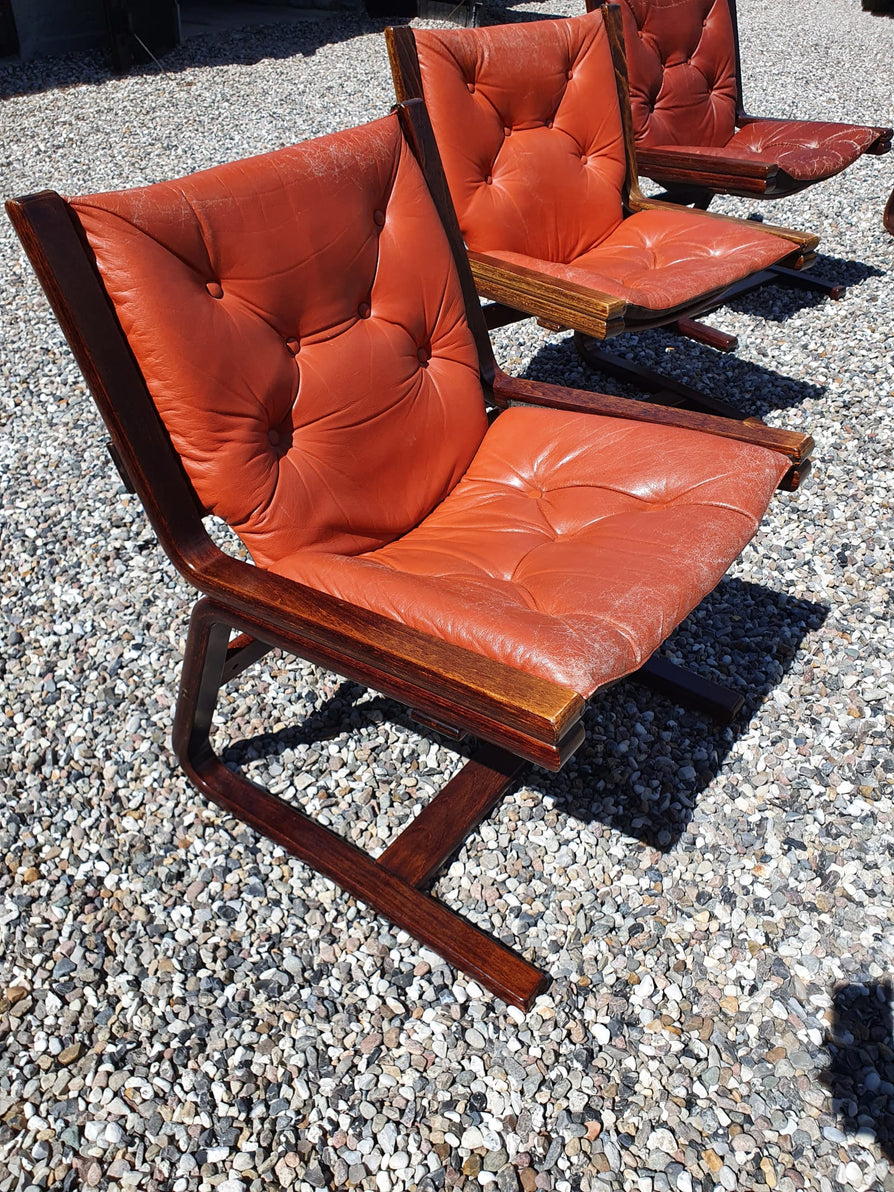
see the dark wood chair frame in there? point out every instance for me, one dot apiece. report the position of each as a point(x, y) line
point(245, 612)
point(696, 179)
point(518, 293)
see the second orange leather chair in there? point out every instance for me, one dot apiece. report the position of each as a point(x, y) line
point(533, 126)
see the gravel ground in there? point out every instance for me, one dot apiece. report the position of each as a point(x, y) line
point(187, 1009)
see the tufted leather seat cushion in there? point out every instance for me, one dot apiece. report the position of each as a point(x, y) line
point(529, 129)
point(572, 546)
point(682, 71)
point(298, 355)
point(808, 150)
point(299, 321)
point(659, 260)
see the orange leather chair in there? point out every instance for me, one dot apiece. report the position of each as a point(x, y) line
point(692, 133)
point(294, 344)
point(533, 128)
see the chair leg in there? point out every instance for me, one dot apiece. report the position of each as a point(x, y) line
point(390, 884)
point(703, 334)
point(666, 391)
point(888, 217)
point(691, 690)
point(802, 279)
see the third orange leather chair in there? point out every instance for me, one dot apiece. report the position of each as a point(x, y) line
point(693, 135)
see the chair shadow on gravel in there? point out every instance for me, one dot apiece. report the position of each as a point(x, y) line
point(647, 786)
point(860, 1076)
point(234, 47)
point(779, 302)
point(750, 387)
point(752, 637)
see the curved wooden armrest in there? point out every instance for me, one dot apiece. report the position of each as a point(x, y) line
point(550, 298)
point(530, 716)
point(792, 444)
point(667, 162)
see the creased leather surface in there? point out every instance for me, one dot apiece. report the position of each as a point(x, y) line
point(320, 387)
point(299, 322)
point(571, 548)
point(527, 122)
point(808, 150)
point(682, 71)
point(659, 260)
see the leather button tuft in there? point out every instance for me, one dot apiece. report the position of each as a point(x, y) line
point(583, 159)
point(214, 288)
point(379, 217)
point(489, 180)
point(273, 437)
point(549, 124)
point(294, 346)
point(423, 355)
point(471, 87)
point(364, 310)
point(569, 74)
point(507, 132)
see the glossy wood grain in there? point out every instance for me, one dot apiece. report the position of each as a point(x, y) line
point(701, 333)
point(563, 303)
point(443, 824)
point(495, 966)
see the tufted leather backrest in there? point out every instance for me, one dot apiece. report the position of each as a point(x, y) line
point(321, 389)
point(681, 63)
point(528, 124)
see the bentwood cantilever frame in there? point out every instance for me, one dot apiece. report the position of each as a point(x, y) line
point(693, 135)
point(294, 343)
point(533, 128)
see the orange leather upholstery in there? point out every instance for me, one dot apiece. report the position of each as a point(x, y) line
point(657, 260)
point(293, 347)
point(808, 150)
point(529, 130)
point(681, 63)
point(572, 546)
point(528, 123)
point(682, 71)
point(299, 322)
